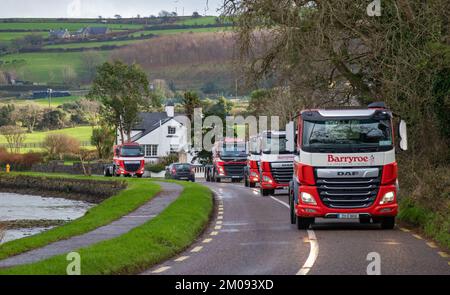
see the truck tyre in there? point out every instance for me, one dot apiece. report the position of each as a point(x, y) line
point(388, 222)
point(107, 172)
point(265, 192)
point(292, 209)
point(252, 184)
point(304, 223)
point(139, 175)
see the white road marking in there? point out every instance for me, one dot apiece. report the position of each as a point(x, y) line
point(217, 227)
point(161, 269)
point(214, 233)
point(314, 246)
point(417, 237)
point(405, 230)
point(219, 222)
point(207, 240)
point(281, 202)
point(219, 217)
point(197, 249)
point(182, 258)
point(313, 253)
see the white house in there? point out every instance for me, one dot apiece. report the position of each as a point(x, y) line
point(161, 133)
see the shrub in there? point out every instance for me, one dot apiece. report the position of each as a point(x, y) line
point(57, 145)
point(19, 162)
point(155, 167)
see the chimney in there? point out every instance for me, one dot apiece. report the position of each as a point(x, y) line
point(170, 110)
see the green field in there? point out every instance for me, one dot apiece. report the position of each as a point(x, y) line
point(74, 26)
point(82, 133)
point(180, 31)
point(9, 36)
point(46, 67)
point(204, 20)
point(55, 101)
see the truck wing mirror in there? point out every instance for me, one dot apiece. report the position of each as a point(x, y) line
point(402, 131)
point(290, 137)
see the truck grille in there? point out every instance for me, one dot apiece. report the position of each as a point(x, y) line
point(132, 167)
point(234, 169)
point(348, 192)
point(282, 172)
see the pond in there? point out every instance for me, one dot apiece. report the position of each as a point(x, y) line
point(15, 207)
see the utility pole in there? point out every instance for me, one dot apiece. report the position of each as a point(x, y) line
point(49, 92)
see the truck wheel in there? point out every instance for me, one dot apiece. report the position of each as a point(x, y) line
point(139, 175)
point(264, 192)
point(107, 172)
point(252, 184)
point(304, 223)
point(388, 222)
point(292, 209)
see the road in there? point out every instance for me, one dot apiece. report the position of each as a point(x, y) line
point(252, 235)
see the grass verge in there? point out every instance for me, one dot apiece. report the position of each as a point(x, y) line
point(160, 238)
point(432, 223)
point(138, 192)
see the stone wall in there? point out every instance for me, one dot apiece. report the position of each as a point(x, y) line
point(76, 168)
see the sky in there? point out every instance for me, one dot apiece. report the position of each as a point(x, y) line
point(104, 8)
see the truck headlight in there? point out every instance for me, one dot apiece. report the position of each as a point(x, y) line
point(307, 198)
point(387, 198)
point(267, 179)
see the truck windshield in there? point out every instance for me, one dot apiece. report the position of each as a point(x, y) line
point(274, 145)
point(347, 136)
point(131, 151)
point(230, 150)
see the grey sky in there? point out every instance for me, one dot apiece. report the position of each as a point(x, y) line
point(105, 8)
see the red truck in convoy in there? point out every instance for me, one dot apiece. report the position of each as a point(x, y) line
point(345, 166)
point(128, 161)
point(276, 162)
point(251, 170)
point(229, 158)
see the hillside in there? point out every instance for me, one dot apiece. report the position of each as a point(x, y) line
point(29, 54)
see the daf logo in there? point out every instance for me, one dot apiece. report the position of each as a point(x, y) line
point(347, 173)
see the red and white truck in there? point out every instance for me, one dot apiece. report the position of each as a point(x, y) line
point(229, 157)
point(128, 161)
point(345, 166)
point(251, 170)
point(276, 162)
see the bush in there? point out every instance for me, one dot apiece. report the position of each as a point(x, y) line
point(155, 167)
point(19, 162)
point(57, 145)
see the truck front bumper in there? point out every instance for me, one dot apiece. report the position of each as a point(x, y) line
point(320, 210)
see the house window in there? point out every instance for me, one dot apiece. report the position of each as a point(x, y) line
point(151, 150)
point(171, 130)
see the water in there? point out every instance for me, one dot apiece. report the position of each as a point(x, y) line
point(27, 207)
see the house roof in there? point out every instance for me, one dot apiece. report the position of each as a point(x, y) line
point(149, 122)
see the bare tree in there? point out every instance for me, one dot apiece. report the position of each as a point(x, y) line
point(57, 145)
point(30, 115)
point(90, 61)
point(15, 137)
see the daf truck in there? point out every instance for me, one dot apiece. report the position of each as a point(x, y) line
point(345, 166)
point(229, 158)
point(276, 162)
point(128, 160)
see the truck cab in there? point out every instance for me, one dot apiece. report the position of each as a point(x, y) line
point(128, 161)
point(345, 166)
point(229, 158)
point(251, 170)
point(276, 162)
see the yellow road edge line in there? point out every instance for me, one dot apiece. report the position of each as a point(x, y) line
point(431, 245)
point(417, 237)
point(443, 254)
point(161, 269)
point(197, 249)
point(182, 258)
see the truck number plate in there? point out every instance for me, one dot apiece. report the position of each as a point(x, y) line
point(348, 215)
